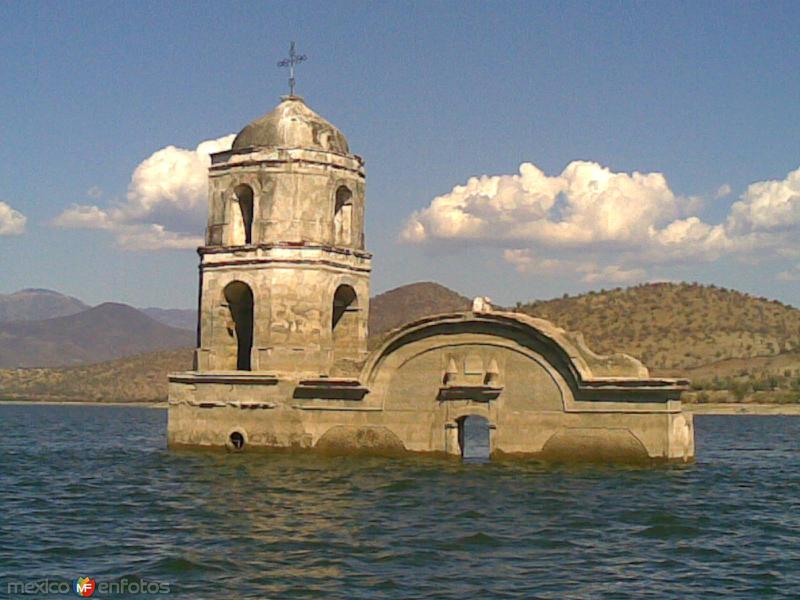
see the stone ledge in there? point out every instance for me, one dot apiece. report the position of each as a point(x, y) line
point(330, 389)
point(476, 393)
point(622, 383)
point(312, 262)
point(225, 404)
point(285, 245)
point(228, 377)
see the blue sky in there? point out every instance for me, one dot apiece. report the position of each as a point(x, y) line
point(431, 95)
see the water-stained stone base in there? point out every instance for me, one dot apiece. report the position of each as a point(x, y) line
point(534, 384)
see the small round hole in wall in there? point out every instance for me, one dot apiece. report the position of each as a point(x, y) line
point(236, 440)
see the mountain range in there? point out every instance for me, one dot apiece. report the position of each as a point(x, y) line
point(104, 332)
point(43, 328)
point(721, 338)
point(33, 304)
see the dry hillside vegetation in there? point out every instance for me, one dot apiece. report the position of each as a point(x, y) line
point(141, 378)
point(675, 327)
point(144, 377)
point(733, 346)
point(409, 302)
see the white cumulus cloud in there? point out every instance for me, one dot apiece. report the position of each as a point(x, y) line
point(623, 222)
point(525, 261)
point(12, 222)
point(611, 273)
point(768, 206)
point(165, 205)
point(723, 191)
point(587, 203)
point(83, 216)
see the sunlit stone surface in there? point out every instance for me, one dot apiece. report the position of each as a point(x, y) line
point(282, 356)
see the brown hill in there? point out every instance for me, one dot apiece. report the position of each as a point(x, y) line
point(675, 327)
point(144, 377)
point(104, 332)
point(406, 303)
point(141, 378)
point(721, 338)
point(35, 304)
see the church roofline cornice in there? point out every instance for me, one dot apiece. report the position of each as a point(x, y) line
point(313, 262)
point(250, 158)
point(252, 149)
point(203, 250)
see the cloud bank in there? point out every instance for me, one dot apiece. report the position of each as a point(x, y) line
point(12, 222)
point(605, 225)
point(166, 203)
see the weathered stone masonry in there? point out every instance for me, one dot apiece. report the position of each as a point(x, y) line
point(282, 356)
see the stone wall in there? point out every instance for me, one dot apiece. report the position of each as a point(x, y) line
point(293, 289)
point(294, 198)
point(282, 357)
point(425, 379)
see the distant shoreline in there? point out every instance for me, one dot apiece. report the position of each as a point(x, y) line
point(734, 408)
point(717, 408)
point(144, 404)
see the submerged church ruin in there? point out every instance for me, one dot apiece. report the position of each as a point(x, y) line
point(282, 361)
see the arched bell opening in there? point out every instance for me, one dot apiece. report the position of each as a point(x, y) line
point(244, 197)
point(344, 323)
point(239, 299)
point(343, 217)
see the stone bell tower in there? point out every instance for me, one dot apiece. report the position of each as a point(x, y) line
point(284, 277)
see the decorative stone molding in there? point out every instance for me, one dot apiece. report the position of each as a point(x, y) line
point(244, 405)
point(227, 377)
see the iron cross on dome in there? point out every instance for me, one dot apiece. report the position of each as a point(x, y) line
point(294, 59)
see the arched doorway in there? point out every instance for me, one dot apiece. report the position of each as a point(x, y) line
point(239, 297)
point(244, 196)
point(344, 323)
point(473, 438)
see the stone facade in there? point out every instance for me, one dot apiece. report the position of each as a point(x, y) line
point(282, 359)
point(286, 227)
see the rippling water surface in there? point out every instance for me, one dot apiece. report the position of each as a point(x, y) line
point(93, 491)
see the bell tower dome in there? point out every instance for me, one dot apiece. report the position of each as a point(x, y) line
point(284, 276)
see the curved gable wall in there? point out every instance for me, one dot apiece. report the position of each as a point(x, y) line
point(414, 382)
point(447, 329)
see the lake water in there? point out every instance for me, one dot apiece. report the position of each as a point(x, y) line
point(92, 491)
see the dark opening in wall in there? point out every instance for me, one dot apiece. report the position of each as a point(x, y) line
point(237, 440)
point(343, 216)
point(344, 322)
point(244, 194)
point(239, 297)
point(473, 437)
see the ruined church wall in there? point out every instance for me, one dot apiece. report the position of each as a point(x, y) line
point(536, 412)
point(533, 412)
